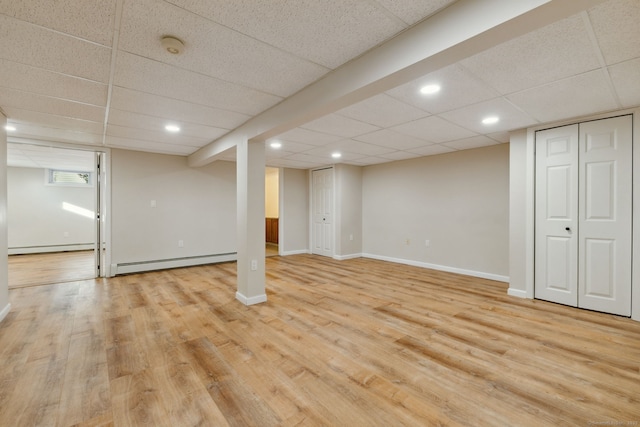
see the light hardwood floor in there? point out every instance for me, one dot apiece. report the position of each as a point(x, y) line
point(338, 343)
point(47, 268)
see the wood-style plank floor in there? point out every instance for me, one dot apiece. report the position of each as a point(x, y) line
point(47, 268)
point(339, 343)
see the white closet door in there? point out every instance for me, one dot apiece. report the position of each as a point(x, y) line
point(322, 207)
point(604, 264)
point(556, 245)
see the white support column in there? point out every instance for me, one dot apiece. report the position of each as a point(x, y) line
point(250, 166)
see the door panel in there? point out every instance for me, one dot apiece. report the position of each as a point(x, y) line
point(322, 182)
point(605, 223)
point(556, 248)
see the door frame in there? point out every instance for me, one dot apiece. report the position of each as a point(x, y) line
point(522, 207)
point(105, 193)
point(333, 206)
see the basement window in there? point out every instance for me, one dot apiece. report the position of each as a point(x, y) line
point(69, 178)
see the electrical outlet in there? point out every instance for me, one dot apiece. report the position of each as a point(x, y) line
point(181, 243)
point(65, 234)
point(254, 265)
point(427, 243)
point(351, 237)
point(152, 203)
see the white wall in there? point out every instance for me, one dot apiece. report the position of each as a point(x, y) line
point(195, 205)
point(294, 213)
point(271, 189)
point(4, 274)
point(36, 218)
point(458, 201)
point(348, 222)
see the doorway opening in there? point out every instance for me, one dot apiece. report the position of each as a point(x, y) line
point(53, 214)
point(272, 210)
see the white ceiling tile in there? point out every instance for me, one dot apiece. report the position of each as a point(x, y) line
point(293, 164)
point(326, 152)
point(149, 146)
point(307, 136)
point(413, 11)
point(91, 20)
point(58, 135)
point(142, 121)
point(306, 158)
point(335, 124)
point(383, 111)
point(146, 75)
point(433, 150)
point(625, 79)
point(574, 97)
point(155, 136)
point(28, 101)
point(366, 161)
point(363, 148)
point(43, 82)
point(213, 49)
point(556, 51)
point(391, 139)
point(615, 24)
point(145, 103)
point(433, 129)
point(18, 116)
point(458, 88)
point(36, 46)
point(400, 155)
point(289, 146)
point(329, 32)
point(471, 117)
point(500, 136)
point(473, 142)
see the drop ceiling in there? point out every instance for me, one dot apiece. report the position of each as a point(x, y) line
point(93, 73)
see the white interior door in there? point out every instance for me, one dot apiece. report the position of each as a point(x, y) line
point(584, 215)
point(556, 245)
point(604, 272)
point(322, 208)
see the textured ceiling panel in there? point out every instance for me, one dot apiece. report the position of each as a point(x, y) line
point(433, 129)
point(432, 150)
point(559, 50)
point(511, 117)
point(473, 142)
point(307, 136)
point(213, 49)
point(336, 124)
point(412, 11)
point(182, 111)
point(43, 82)
point(28, 101)
point(18, 116)
point(149, 146)
point(87, 19)
point(155, 136)
point(366, 149)
point(44, 133)
point(36, 46)
point(616, 25)
point(146, 75)
point(574, 97)
point(458, 88)
point(328, 32)
point(392, 139)
point(383, 111)
point(625, 77)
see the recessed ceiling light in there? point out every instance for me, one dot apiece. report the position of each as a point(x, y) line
point(490, 120)
point(9, 128)
point(336, 155)
point(430, 89)
point(172, 128)
point(275, 144)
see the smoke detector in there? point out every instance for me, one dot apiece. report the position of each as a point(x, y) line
point(172, 44)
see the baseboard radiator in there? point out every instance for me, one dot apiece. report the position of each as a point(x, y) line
point(162, 264)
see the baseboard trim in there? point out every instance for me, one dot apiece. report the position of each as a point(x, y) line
point(348, 256)
point(448, 269)
point(4, 312)
point(297, 252)
point(138, 267)
point(517, 293)
point(50, 248)
point(251, 300)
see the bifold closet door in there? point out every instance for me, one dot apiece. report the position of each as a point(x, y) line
point(583, 215)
